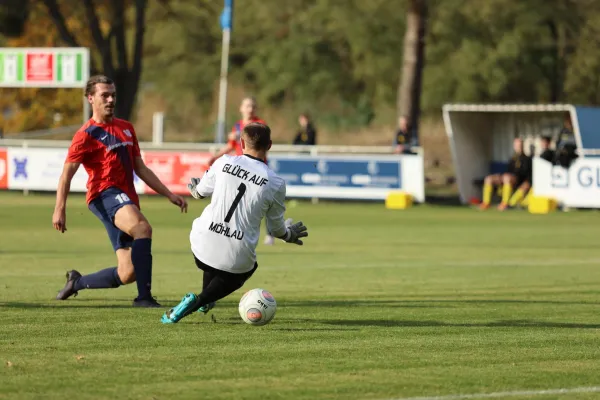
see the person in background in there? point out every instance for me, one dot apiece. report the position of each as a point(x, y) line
point(234, 144)
point(547, 153)
point(307, 135)
point(403, 137)
point(248, 112)
point(518, 176)
point(108, 149)
point(566, 147)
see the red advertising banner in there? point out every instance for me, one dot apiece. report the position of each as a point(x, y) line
point(3, 169)
point(40, 67)
point(176, 168)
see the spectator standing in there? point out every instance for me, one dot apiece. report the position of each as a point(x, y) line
point(307, 135)
point(403, 137)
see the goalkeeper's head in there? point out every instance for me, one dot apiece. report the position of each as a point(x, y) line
point(256, 139)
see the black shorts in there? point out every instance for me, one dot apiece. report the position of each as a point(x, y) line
point(519, 180)
point(230, 276)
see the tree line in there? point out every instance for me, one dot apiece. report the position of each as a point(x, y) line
point(343, 58)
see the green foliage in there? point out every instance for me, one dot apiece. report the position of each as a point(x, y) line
point(338, 56)
point(341, 59)
point(182, 55)
point(583, 81)
point(26, 109)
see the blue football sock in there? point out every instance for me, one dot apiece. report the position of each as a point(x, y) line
point(141, 257)
point(106, 278)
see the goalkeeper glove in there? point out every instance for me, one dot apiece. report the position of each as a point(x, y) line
point(193, 188)
point(294, 232)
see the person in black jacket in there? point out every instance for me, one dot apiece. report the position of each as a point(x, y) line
point(403, 138)
point(566, 147)
point(307, 135)
point(546, 154)
point(517, 176)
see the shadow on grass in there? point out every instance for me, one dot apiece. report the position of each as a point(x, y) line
point(237, 321)
point(166, 303)
point(445, 303)
point(59, 305)
point(340, 323)
point(361, 303)
point(433, 324)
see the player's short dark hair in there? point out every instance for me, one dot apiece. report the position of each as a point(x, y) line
point(257, 136)
point(90, 86)
point(546, 138)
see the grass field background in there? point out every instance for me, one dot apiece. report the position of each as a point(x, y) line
point(378, 304)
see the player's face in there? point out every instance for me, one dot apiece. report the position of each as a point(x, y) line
point(403, 124)
point(545, 144)
point(104, 99)
point(518, 146)
point(248, 108)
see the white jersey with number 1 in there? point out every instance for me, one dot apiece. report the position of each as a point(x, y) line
point(244, 190)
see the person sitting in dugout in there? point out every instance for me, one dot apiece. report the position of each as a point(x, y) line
point(518, 176)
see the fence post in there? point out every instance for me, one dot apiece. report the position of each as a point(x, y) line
point(158, 125)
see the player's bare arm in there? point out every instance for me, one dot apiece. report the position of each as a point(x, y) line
point(59, 219)
point(150, 178)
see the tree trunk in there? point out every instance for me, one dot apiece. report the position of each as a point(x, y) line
point(126, 77)
point(409, 89)
point(13, 15)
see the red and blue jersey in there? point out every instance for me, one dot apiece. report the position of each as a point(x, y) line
point(107, 152)
point(236, 134)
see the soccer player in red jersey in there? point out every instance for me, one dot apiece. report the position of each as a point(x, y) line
point(248, 111)
point(234, 145)
point(109, 151)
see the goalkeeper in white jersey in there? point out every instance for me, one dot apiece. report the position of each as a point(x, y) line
point(243, 191)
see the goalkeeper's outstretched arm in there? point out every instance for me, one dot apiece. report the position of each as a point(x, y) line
point(282, 229)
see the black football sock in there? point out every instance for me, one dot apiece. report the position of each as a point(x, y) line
point(141, 257)
point(106, 278)
point(219, 287)
point(207, 278)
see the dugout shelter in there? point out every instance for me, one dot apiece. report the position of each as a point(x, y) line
point(481, 136)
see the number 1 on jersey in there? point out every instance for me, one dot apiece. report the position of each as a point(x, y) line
point(241, 190)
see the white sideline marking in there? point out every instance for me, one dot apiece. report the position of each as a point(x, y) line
point(496, 395)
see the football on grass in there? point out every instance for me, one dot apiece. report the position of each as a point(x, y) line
point(257, 307)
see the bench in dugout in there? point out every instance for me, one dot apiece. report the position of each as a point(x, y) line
point(496, 167)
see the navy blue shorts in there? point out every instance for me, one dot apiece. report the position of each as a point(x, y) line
point(105, 206)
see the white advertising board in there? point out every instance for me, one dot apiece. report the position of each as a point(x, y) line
point(40, 169)
point(576, 186)
point(353, 177)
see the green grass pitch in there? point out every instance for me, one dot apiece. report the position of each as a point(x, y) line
point(378, 304)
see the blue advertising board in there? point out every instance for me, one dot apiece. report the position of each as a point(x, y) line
point(346, 177)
